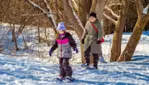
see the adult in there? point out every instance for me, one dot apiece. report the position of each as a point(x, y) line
point(92, 39)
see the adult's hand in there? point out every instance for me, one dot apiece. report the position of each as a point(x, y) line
point(98, 41)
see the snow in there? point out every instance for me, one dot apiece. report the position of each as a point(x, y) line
point(26, 68)
point(145, 10)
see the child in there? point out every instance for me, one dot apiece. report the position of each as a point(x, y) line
point(64, 42)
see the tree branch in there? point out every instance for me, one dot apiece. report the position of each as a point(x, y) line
point(74, 2)
point(139, 6)
point(111, 11)
point(35, 5)
point(110, 19)
point(38, 14)
point(76, 16)
point(49, 14)
point(72, 17)
point(115, 4)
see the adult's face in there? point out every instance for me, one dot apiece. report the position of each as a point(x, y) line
point(92, 19)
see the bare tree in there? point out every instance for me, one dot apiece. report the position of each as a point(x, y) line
point(143, 18)
point(74, 13)
point(119, 27)
point(48, 13)
point(14, 39)
point(83, 10)
point(93, 7)
point(74, 20)
point(100, 4)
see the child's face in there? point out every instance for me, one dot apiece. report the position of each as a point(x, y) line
point(61, 31)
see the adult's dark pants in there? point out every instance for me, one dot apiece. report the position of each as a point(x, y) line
point(65, 68)
point(95, 57)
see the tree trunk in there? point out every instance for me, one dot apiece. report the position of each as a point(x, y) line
point(117, 38)
point(39, 40)
point(73, 18)
point(20, 30)
point(74, 21)
point(84, 9)
point(46, 36)
point(134, 39)
point(116, 44)
point(93, 7)
point(82, 54)
point(14, 38)
point(137, 32)
point(25, 44)
point(100, 8)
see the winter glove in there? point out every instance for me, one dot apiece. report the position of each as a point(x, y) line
point(82, 41)
point(76, 49)
point(98, 42)
point(50, 53)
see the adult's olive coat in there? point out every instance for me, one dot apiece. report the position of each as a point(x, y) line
point(91, 36)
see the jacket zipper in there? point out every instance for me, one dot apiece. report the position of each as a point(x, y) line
point(61, 48)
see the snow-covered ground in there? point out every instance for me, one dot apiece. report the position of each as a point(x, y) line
point(29, 69)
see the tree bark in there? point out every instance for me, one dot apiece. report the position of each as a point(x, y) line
point(93, 7)
point(25, 44)
point(136, 34)
point(100, 8)
point(14, 38)
point(73, 18)
point(119, 27)
point(117, 38)
point(49, 15)
point(134, 40)
point(84, 9)
point(74, 21)
point(39, 40)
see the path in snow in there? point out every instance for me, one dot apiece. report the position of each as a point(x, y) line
point(29, 71)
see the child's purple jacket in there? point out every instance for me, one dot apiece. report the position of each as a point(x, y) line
point(64, 44)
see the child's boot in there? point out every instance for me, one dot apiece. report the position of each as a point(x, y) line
point(69, 79)
point(60, 78)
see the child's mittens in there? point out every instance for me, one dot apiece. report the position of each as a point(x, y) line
point(76, 49)
point(50, 53)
